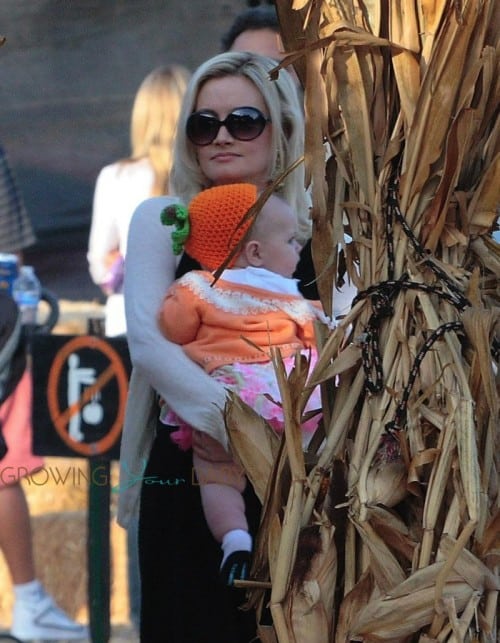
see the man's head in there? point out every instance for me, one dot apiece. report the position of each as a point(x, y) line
point(256, 30)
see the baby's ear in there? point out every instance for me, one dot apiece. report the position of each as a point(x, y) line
point(253, 254)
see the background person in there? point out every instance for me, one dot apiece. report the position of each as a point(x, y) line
point(16, 231)
point(121, 186)
point(182, 598)
point(257, 30)
point(35, 615)
point(229, 327)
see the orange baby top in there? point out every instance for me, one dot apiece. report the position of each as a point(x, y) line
point(222, 323)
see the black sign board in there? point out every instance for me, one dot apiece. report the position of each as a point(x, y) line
point(80, 391)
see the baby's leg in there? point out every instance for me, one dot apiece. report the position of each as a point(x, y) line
point(224, 509)
point(222, 483)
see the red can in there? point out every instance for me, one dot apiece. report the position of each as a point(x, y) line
point(9, 269)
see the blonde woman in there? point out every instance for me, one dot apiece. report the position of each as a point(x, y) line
point(236, 125)
point(121, 186)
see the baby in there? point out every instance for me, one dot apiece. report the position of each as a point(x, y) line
point(228, 328)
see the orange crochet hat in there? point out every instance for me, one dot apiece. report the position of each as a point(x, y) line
point(214, 218)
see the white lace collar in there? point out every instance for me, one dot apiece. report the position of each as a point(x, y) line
point(261, 278)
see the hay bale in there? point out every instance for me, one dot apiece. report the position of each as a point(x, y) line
point(59, 545)
point(74, 316)
point(60, 485)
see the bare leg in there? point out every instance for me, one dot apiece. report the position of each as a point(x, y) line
point(224, 509)
point(15, 533)
point(35, 615)
point(222, 483)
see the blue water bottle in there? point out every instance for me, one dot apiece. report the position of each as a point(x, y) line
point(27, 291)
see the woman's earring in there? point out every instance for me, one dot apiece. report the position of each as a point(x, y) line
point(278, 170)
point(278, 166)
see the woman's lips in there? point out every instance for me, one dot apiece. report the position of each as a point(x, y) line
point(225, 156)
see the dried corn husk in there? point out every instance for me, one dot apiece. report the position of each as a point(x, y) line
point(402, 153)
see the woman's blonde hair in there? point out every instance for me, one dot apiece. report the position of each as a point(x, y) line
point(285, 111)
point(153, 125)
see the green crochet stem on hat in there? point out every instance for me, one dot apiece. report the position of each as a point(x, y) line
point(177, 215)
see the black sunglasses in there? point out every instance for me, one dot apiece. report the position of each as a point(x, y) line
point(243, 123)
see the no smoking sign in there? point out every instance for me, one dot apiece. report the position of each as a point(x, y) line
point(80, 394)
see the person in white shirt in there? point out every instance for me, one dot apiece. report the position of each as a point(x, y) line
point(121, 186)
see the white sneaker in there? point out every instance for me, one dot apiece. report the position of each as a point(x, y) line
point(43, 619)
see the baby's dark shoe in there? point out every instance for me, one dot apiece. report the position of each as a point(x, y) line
point(235, 567)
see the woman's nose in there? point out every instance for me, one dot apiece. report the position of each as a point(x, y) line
point(223, 135)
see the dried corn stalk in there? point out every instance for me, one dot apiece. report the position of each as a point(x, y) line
point(401, 500)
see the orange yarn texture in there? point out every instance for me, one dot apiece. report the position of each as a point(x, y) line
point(214, 215)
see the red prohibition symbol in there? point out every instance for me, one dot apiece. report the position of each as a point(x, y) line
point(61, 417)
